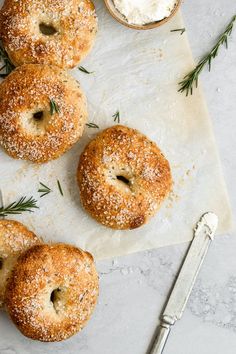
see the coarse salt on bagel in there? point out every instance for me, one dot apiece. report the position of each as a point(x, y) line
point(123, 178)
point(52, 292)
point(55, 32)
point(15, 238)
point(42, 112)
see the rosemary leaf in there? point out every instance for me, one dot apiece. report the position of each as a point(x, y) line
point(54, 107)
point(181, 30)
point(59, 187)
point(92, 125)
point(191, 79)
point(44, 185)
point(44, 190)
point(42, 195)
point(19, 207)
point(81, 68)
point(116, 117)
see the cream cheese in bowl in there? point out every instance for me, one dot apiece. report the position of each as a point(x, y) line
point(141, 12)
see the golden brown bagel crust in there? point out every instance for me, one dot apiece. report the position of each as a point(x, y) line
point(74, 21)
point(38, 273)
point(15, 239)
point(30, 89)
point(124, 152)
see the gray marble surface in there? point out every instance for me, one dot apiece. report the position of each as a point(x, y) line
point(134, 288)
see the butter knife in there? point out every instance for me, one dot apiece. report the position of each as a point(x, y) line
point(203, 235)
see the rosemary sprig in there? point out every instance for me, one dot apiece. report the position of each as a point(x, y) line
point(181, 30)
point(7, 64)
point(44, 190)
point(116, 117)
point(81, 68)
point(54, 107)
point(59, 187)
point(92, 125)
point(19, 207)
point(187, 84)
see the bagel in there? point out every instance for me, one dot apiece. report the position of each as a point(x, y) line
point(42, 113)
point(123, 178)
point(15, 238)
point(53, 32)
point(52, 292)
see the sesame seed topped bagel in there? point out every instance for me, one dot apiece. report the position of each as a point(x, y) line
point(55, 32)
point(15, 238)
point(42, 113)
point(123, 178)
point(52, 292)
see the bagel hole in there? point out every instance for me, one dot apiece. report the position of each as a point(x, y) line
point(38, 116)
point(123, 179)
point(54, 295)
point(47, 30)
point(35, 121)
point(1, 263)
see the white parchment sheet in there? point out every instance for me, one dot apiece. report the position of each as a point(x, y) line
point(135, 72)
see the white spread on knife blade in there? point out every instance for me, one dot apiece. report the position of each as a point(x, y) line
point(209, 221)
point(140, 12)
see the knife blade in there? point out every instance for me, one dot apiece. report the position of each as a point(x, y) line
point(203, 235)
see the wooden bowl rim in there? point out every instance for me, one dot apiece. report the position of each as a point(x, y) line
point(120, 18)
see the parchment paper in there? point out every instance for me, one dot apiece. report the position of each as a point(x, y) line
point(135, 72)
